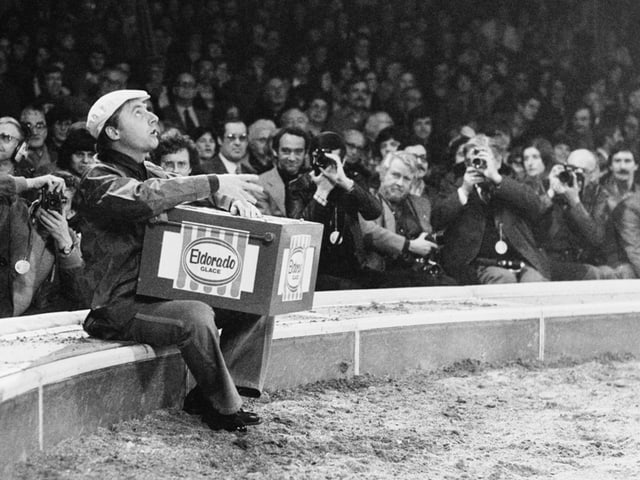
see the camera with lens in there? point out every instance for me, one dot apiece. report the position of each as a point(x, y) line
point(475, 160)
point(52, 201)
point(320, 160)
point(430, 263)
point(568, 174)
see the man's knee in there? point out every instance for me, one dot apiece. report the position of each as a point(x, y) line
point(197, 317)
point(530, 274)
point(491, 274)
point(605, 272)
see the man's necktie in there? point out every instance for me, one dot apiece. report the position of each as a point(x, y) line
point(189, 124)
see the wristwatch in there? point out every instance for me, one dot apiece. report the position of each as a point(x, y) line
point(66, 251)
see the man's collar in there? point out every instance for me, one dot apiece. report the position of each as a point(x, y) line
point(394, 205)
point(132, 168)
point(232, 167)
point(38, 152)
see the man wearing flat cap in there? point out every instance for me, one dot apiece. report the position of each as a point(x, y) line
point(120, 193)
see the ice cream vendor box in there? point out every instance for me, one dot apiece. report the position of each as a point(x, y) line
point(265, 266)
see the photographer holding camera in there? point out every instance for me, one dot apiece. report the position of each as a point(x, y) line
point(21, 247)
point(60, 263)
point(576, 228)
point(328, 196)
point(488, 222)
point(400, 241)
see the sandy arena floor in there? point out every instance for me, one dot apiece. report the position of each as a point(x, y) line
point(578, 422)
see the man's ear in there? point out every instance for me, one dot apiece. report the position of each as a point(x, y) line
point(112, 133)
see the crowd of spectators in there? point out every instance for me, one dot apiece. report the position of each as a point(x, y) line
point(472, 141)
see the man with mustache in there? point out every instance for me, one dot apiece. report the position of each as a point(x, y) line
point(620, 181)
point(354, 114)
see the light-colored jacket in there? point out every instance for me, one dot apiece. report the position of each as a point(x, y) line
point(272, 200)
point(380, 235)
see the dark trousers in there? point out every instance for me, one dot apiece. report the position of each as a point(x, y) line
point(218, 362)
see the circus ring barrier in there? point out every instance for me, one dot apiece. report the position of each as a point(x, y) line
point(56, 382)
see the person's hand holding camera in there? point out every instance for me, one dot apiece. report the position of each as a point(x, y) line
point(421, 246)
point(569, 190)
point(56, 224)
point(490, 172)
point(52, 182)
point(472, 176)
point(330, 177)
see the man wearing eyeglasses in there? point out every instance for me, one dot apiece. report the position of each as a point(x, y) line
point(232, 157)
point(38, 160)
point(181, 114)
point(357, 157)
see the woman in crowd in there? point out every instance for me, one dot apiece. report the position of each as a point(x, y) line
point(390, 139)
point(318, 111)
point(205, 139)
point(537, 159)
point(59, 120)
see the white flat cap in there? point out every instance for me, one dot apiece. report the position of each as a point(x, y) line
point(106, 106)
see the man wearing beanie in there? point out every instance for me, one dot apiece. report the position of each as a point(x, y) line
point(120, 193)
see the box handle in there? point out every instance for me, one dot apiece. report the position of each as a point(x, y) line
point(162, 219)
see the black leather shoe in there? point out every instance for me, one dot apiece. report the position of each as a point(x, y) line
point(248, 392)
point(195, 403)
point(230, 423)
point(249, 418)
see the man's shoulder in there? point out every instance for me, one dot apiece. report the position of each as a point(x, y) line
point(169, 111)
point(215, 165)
point(633, 202)
point(270, 176)
point(99, 169)
point(156, 170)
point(217, 160)
point(419, 201)
point(203, 113)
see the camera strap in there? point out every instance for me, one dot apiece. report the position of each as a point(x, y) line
point(335, 237)
point(23, 266)
point(501, 246)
